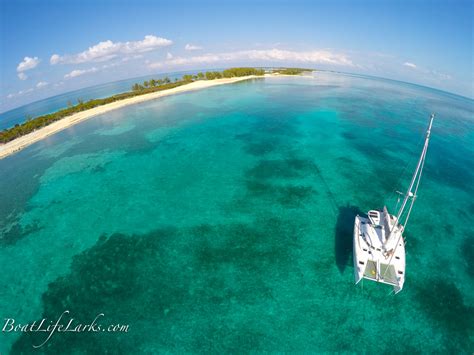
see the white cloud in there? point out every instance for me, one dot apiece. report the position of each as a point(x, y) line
point(41, 84)
point(111, 65)
point(192, 47)
point(126, 59)
point(107, 50)
point(28, 63)
point(55, 59)
point(79, 72)
point(22, 76)
point(169, 56)
point(411, 65)
point(320, 57)
point(264, 56)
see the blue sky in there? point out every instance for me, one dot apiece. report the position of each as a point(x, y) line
point(50, 47)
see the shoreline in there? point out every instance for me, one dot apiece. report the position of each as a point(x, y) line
point(22, 142)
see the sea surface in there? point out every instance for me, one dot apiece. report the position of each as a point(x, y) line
point(221, 221)
point(52, 104)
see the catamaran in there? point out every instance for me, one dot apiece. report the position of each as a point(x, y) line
point(379, 246)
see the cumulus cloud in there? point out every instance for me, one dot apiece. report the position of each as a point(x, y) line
point(270, 55)
point(79, 72)
point(22, 76)
point(28, 63)
point(55, 59)
point(410, 65)
point(41, 84)
point(169, 56)
point(107, 50)
point(192, 47)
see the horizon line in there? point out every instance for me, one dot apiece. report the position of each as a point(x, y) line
point(208, 69)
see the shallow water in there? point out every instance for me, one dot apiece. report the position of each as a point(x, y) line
point(52, 104)
point(221, 220)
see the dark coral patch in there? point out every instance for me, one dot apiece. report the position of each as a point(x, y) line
point(287, 195)
point(467, 251)
point(187, 288)
point(263, 147)
point(443, 303)
point(128, 278)
point(16, 232)
point(282, 169)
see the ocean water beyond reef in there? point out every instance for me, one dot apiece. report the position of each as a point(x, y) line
point(221, 220)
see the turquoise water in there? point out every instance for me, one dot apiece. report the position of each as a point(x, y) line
point(221, 220)
point(52, 104)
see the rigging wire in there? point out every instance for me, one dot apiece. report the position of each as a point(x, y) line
point(417, 178)
point(416, 191)
point(413, 158)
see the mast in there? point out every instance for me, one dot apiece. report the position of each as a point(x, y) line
point(416, 175)
point(415, 178)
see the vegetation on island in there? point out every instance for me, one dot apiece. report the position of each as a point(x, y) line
point(291, 71)
point(148, 86)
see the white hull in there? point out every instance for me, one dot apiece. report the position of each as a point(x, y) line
point(376, 258)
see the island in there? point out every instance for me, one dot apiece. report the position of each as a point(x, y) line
point(33, 130)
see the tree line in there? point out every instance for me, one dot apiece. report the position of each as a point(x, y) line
point(291, 71)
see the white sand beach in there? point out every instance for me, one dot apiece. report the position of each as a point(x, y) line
point(33, 137)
